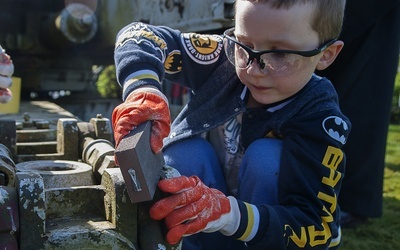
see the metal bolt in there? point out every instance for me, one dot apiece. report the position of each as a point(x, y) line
point(27, 117)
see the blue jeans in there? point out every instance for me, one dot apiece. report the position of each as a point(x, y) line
point(258, 179)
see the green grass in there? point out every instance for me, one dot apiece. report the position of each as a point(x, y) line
point(382, 233)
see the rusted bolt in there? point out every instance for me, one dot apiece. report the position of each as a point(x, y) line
point(27, 123)
point(27, 117)
point(18, 125)
point(42, 124)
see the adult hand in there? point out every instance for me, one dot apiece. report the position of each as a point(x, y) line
point(193, 207)
point(142, 105)
point(6, 71)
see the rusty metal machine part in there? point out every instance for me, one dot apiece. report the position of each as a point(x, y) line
point(141, 170)
point(64, 217)
point(55, 43)
point(9, 222)
point(7, 167)
point(99, 154)
point(75, 24)
point(58, 143)
point(8, 134)
point(59, 173)
point(59, 202)
point(78, 23)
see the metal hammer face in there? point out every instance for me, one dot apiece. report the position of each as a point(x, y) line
point(140, 167)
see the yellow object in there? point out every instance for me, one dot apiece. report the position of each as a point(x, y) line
point(12, 107)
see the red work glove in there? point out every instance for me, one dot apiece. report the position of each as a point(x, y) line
point(193, 207)
point(139, 107)
point(6, 71)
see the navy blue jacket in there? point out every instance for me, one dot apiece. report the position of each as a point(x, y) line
point(311, 126)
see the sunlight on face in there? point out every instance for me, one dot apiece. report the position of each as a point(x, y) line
point(261, 27)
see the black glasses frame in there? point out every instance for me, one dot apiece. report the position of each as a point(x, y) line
point(254, 54)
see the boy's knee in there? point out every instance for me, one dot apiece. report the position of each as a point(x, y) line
point(266, 148)
point(259, 172)
point(194, 147)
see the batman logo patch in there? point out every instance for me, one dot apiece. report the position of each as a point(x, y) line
point(336, 128)
point(173, 63)
point(203, 49)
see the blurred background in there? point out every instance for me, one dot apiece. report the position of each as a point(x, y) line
point(62, 50)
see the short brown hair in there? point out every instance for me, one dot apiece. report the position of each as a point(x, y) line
point(328, 15)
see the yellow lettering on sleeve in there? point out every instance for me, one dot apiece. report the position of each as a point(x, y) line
point(329, 199)
point(332, 179)
point(299, 241)
point(333, 157)
point(319, 237)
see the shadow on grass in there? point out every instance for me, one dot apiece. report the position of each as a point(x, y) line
point(393, 167)
point(381, 233)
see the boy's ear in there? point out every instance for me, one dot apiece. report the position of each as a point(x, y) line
point(329, 55)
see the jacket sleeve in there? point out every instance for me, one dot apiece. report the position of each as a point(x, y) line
point(312, 167)
point(149, 53)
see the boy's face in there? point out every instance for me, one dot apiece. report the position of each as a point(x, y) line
point(261, 27)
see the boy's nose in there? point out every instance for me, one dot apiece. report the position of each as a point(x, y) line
point(254, 68)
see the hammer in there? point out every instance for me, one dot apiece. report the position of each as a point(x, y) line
point(141, 168)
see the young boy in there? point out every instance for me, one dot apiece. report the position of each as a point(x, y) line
point(258, 145)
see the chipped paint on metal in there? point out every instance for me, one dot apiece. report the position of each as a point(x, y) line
point(4, 195)
point(161, 247)
point(88, 238)
point(31, 185)
point(13, 226)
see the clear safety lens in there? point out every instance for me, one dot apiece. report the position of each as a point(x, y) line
point(276, 63)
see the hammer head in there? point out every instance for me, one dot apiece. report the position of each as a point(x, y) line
point(140, 167)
